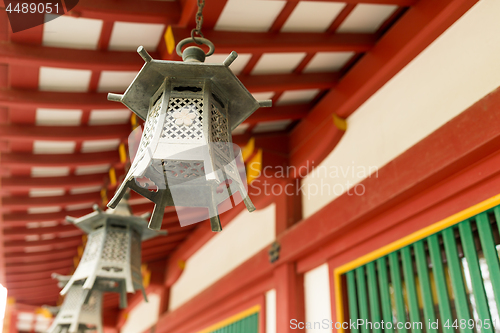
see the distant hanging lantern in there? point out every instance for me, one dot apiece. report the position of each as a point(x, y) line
point(111, 260)
point(81, 310)
point(186, 150)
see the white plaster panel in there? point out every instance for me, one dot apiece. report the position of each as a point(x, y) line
point(143, 316)
point(271, 311)
point(317, 299)
point(456, 70)
point(246, 235)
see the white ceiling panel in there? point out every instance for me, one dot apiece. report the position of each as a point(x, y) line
point(297, 96)
point(46, 224)
point(312, 16)
point(109, 117)
point(366, 18)
point(260, 96)
point(58, 117)
point(128, 36)
point(49, 171)
point(53, 147)
point(92, 169)
point(47, 192)
point(100, 145)
point(254, 15)
point(86, 189)
point(44, 210)
point(328, 62)
point(71, 32)
point(271, 126)
point(115, 81)
point(79, 206)
point(237, 66)
point(62, 79)
point(278, 63)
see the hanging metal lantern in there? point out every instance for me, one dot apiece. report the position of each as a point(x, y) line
point(81, 310)
point(111, 260)
point(186, 149)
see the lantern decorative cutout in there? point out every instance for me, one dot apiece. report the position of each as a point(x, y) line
point(186, 150)
point(81, 310)
point(112, 255)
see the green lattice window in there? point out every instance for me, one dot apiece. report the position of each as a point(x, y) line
point(248, 324)
point(451, 277)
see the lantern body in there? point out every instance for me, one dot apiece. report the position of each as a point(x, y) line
point(186, 149)
point(111, 260)
point(80, 310)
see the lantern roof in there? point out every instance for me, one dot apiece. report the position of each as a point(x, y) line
point(151, 76)
point(88, 222)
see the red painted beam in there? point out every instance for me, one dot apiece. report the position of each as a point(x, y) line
point(264, 42)
point(403, 3)
point(25, 55)
point(254, 83)
point(189, 9)
point(40, 283)
point(13, 184)
point(54, 233)
point(27, 293)
point(418, 27)
point(35, 56)
point(35, 258)
point(167, 12)
point(22, 219)
point(157, 256)
point(43, 245)
point(50, 99)
point(23, 203)
point(27, 161)
point(28, 276)
point(53, 265)
point(150, 245)
point(29, 133)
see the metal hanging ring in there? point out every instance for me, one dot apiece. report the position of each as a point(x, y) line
point(202, 41)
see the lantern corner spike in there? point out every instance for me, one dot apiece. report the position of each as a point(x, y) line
point(185, 157)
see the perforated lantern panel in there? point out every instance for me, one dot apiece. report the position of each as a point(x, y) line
point(93, 247)
point(176, 133)
point(109, 256)
point(150, 125)
point(136, 258)
point(116, 246)
point(75, 316)
point(219, 125)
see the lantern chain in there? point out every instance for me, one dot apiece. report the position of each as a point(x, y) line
point(199, 22)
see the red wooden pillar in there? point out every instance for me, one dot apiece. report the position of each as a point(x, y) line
point(289, 284)
point(288, 205)
point(289, 297)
